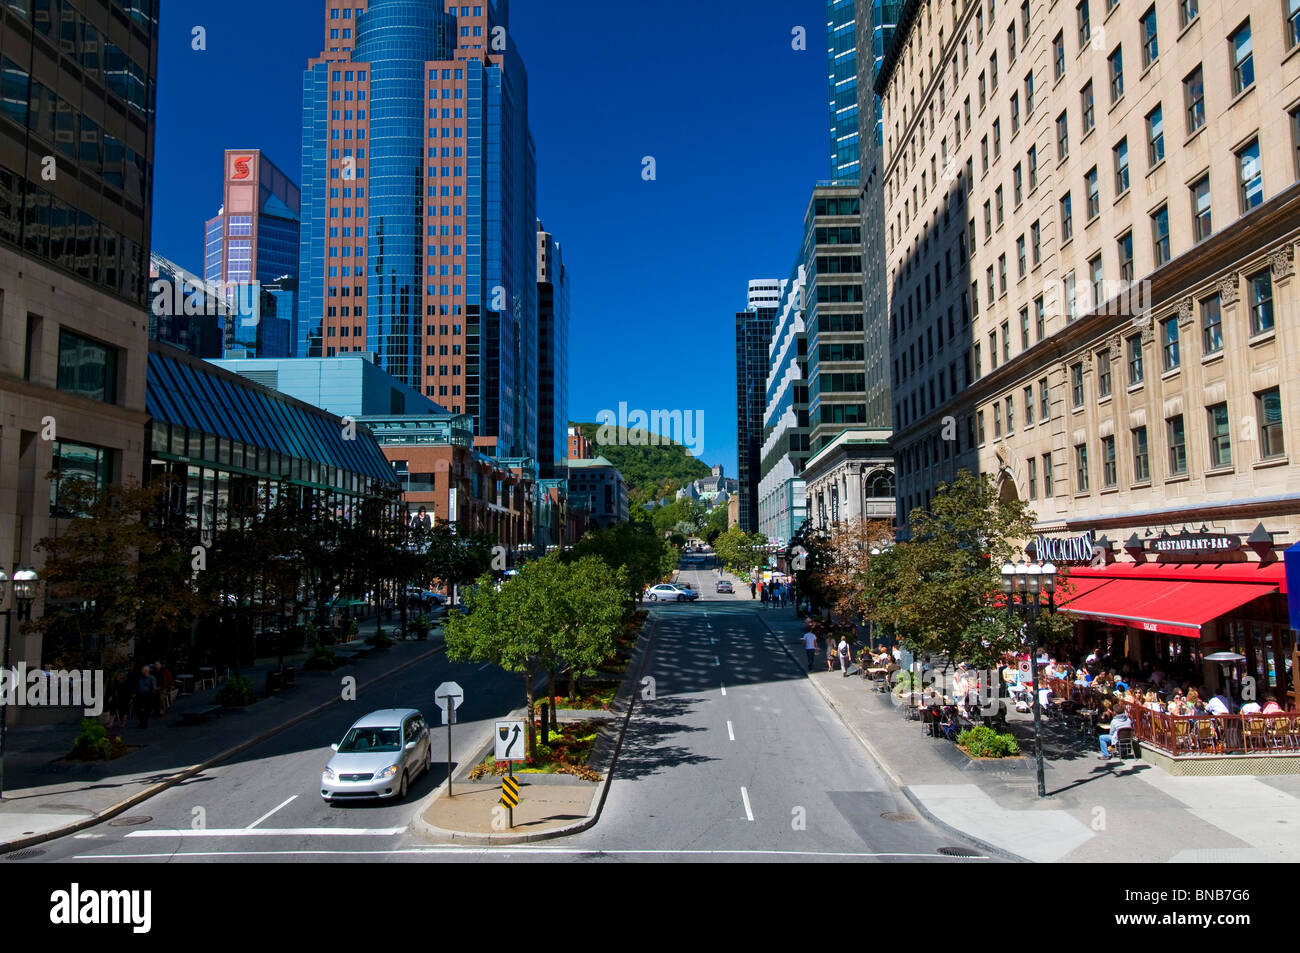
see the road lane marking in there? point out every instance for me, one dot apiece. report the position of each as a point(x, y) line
point(730, 733)
point(484, 665)
point(724, 688)
point(514, 849)
point(276, 832)
point(749, 812)
point(272, 811)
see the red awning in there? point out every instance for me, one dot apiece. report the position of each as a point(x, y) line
point(1273, 574)
point(1079, 586)
point(1167, 606)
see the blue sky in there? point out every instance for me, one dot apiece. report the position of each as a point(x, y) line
point(734, 117)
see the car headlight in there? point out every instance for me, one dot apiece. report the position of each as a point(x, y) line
point(328, 773)
point(388, 772)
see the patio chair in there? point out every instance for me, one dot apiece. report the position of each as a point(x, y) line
point(1205, 739)
point(1256, 732)
point(1182, 736)
point(1124, 743)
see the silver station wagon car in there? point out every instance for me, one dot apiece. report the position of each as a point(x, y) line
point(379, 757)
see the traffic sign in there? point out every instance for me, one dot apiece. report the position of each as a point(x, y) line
point(449, 696)
point(510, 792)
point(510, 741)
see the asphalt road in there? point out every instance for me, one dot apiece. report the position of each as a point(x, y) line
point(731, 755)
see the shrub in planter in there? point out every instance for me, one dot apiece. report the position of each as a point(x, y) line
point(92, 742)
point(322, 659)
point(237, 692)
point(420, 625)
point(983, 742)
point(353, 628)
point(379, 640)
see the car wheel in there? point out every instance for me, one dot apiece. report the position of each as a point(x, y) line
point(653, 597)
point(681, 598)
point(402, 788)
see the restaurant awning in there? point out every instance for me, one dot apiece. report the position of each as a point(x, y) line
point(1169, 606)
point(1077, 586)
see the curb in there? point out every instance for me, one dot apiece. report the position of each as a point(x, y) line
point(185, 774)
point(889, 772)
point(420, 826)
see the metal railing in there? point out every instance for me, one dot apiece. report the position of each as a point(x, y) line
point(1196, 735)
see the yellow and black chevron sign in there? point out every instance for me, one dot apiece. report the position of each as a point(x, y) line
point(509, 792)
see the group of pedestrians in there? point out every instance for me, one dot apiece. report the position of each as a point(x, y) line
point(775, 595)
point(841, 651)
point(150, 695)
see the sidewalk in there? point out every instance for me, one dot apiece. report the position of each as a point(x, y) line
point(1128, 811)
point(46, 797)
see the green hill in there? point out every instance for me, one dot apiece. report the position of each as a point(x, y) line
point(651, 471)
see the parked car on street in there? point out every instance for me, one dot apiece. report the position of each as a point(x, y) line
point(667, 592)
point(379, 757)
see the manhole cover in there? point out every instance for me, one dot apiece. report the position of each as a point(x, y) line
point(133, 821)
point(896, 816)
point(959, 852)
point(24, 854)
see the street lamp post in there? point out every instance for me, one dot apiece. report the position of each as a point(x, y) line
point(1029, 580)
point(24, 586)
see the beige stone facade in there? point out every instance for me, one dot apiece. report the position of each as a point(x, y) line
point(1094, 207)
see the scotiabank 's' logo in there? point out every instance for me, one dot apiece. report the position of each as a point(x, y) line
point(241, 167)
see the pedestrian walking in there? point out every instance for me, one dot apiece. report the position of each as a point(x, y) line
point(831, 652)
point(845, 655)
point(166, 683)
point(146, 690)
point(810, 643)
point(753, 589)
point(119, 702)
point(764, 594)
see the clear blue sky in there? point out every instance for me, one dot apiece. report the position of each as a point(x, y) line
point(735, 118)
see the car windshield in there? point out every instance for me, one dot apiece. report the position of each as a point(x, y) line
point(360, 740)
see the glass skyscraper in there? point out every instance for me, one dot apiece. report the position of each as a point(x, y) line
point(842, 86)
point(419, 207)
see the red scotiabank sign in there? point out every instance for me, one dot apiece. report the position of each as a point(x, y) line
point(242, 169)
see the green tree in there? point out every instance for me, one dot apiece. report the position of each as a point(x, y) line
point(651, 471)
point(740, 552)
point(637, 549)
point(715, 524)
point(114, 573)
point(941, 591)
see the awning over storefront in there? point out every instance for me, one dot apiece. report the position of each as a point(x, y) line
point(1077, 586)
point(1174, 599)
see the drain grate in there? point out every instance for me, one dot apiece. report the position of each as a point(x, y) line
point(133, 821)
point(27, 854)
point(959, 852)
point(897, 816)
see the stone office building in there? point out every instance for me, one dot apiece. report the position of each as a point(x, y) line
point(1091, 212)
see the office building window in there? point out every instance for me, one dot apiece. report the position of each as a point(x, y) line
point(1011, 415)
point(1135, 371)
point(1092, 190)
point(1201, 220)
point(1261, 302)
point(1268, 411)
point(1076, 385)
point(1085, 24)
point(997, 420)
point(1103, 373)
point(1251, 185)
point(1169, 343)
point(1194, 96)
point(87, 368)
point(1033, 167)
point(1040, 318)
point(1062, 136)
point(1058, 55)
point(1081, 467)
point(1036, 243)
point(1033, 478)
point(1029, 405)
point(1141, 455)
point(1177, 437)
point(1024, 329)
point(1187, 10)
point(1044, 401)
point(1211, 325)
point(1125, 248)
point(1155, 136)
point(1120, 153)
point(1116, 61)
point(1049, 482)
point(1087, 104)
point(1109, 467)
point(1160, 234)
point(1241, 56)
point(1067, 219)
point(1150, 45)
point(1220, 436)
